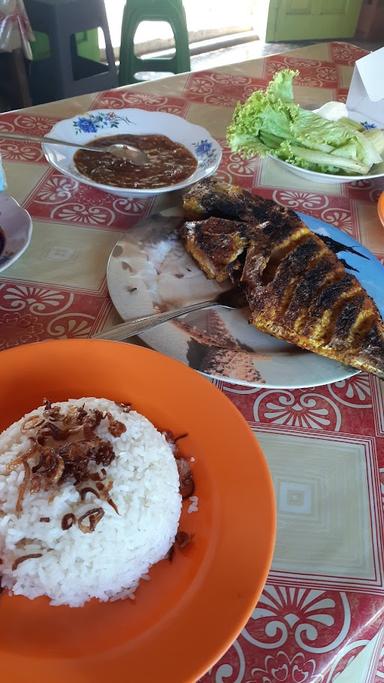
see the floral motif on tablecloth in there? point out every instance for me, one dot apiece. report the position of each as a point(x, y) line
point(318, 620)
point(38, 299)
point(75, 212)
point(365, 190)
point(120, 99)
point(201, 84)
point(354, 392)
point(130, 206)
point(230, 668)
point(26, 123)
point(15, 150)
point(312, 73)
point(345, 53)
point(375, 193)
point(295, 62)
point(241, 167)
point(220, 89)
point(308, 81)
point(6, 126)
point(341, 95)
point(226, 79)
point(361, 185)
point(327, 72)
point(341, 218)
point(64, 199)
point(223, 174)
point(25, 328)
point(30, 312)
point(280, 668)
point(297, 199)
point(55, 190)
point(71, 325)
point(308, 410)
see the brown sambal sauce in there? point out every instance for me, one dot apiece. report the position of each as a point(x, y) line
point(169, 162)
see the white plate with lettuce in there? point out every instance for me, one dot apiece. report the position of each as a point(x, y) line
point(328, 145)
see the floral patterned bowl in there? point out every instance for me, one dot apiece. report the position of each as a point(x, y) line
point(103, 122)
point(16, 230)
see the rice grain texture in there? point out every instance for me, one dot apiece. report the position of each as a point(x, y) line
point(108, 563)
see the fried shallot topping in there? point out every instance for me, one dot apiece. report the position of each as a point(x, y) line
point(182, 539)
point(187, 485)
point(65, 447)
point(23, 558)
point(126, 407)
point(115, 427)
point(90, 519)
point(68, 520)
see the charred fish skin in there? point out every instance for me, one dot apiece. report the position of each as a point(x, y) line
point(296, 287)
point(216, 244)
point(214, 197)
point(322, 309)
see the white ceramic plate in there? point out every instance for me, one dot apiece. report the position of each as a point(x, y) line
point(149, 270)
point(377, 171)
point(103, 122)
point(16, 227)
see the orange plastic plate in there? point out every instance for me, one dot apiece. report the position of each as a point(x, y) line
point(188, 614)
point(380, 207)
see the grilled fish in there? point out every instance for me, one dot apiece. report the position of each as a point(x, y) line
point(296, 287)
point(214, 197)
point(217, 245)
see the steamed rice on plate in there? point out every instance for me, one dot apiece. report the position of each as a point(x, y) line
point(90, 497)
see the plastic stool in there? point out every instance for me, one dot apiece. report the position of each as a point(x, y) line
point(64, 73)
point(136, 11)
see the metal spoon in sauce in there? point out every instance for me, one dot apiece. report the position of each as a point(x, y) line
point(119, 150)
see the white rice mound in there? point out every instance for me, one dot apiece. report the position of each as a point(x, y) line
point(108, 563)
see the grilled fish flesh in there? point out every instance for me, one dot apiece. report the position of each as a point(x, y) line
point(296, 287)
point(217, 245)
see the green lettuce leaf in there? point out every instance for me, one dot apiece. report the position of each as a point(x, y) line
point(271, 123)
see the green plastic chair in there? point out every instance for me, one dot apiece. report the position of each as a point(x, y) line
point(136, 11)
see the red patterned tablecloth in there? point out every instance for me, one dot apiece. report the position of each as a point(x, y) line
point(323, 604)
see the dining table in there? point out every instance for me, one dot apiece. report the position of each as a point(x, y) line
point(320, 616)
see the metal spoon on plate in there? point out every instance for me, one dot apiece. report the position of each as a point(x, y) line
point(230, 298)
point(119, 150)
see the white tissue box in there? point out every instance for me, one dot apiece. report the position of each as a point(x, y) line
point(366, 92)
